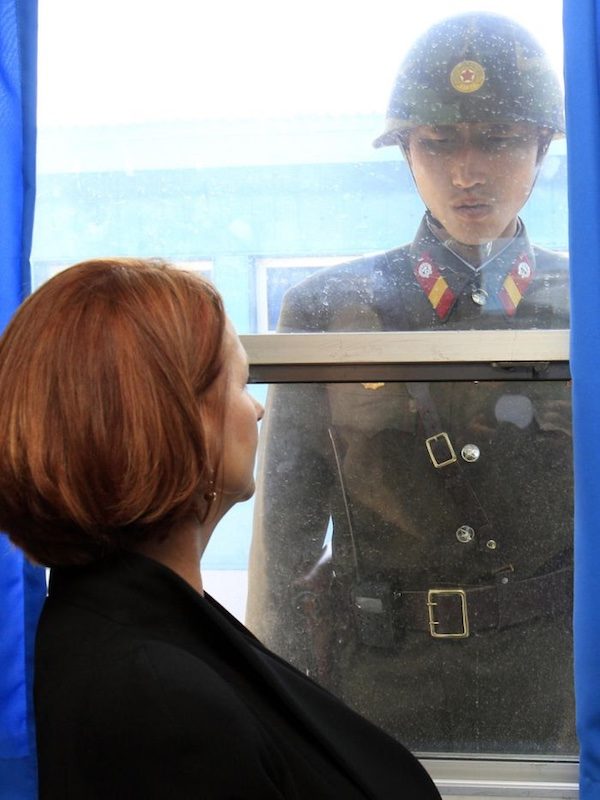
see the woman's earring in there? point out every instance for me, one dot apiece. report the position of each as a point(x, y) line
point(211, 495)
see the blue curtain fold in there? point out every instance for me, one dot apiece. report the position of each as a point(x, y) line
point(22, 586)
point(582, 80)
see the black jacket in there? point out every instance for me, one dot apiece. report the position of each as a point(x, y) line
point(145, 689)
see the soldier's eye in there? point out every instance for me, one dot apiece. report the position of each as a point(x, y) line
point(435, 143)
point(503, 141)
point(500, 140)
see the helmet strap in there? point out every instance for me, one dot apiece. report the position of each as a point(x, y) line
point(544, 143)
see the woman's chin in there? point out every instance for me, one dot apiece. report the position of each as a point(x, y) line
point(240, 495)
point(248, 493)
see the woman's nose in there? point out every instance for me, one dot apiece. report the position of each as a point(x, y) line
point(260, 410)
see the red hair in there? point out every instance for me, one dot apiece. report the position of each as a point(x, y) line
point(109, 408)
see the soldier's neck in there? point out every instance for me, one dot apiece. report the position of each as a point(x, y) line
point(474, 254)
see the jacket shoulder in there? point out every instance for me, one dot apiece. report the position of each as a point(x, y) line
point(159, 722)
point(551, 260)
point(550, 288)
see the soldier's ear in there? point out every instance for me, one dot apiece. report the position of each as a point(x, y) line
point(543, 144)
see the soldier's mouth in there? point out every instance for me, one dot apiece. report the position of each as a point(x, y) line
point(472, 210)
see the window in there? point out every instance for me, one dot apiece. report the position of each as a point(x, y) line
point(201, 267)
point(274, 276)
point(236, 140)
point(361, 428)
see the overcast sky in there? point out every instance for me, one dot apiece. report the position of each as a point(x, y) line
point(123, 61)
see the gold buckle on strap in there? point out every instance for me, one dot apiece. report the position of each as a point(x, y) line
point(446, 439)
point(431, 604)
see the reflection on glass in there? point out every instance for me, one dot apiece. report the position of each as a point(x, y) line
point(442, 608)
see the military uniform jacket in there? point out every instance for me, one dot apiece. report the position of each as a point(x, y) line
point(357, 451)
point(145, 689)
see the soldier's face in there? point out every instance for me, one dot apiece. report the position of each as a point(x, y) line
point(473, 177)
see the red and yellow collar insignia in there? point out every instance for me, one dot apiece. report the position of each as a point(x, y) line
point(516, 284)
point(430, 279)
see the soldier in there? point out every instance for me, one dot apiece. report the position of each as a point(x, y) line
point(446, 615)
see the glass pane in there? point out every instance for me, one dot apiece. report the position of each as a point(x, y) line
point(233, 134)
point(440, 604)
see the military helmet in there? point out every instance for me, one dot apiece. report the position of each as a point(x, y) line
point(474, 68)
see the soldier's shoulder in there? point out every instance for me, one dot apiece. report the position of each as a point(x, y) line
point(340, 276)
point(553, 262)
point(550, 288)
point(347, 286)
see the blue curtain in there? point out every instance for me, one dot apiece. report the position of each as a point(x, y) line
point(22, 587)
point(582, 78)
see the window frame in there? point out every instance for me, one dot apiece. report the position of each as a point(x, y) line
point(408, 355)
point(510, 776)
point(262, 265)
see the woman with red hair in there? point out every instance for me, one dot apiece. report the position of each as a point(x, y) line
point(126, 433)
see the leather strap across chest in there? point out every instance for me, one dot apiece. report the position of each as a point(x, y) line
point(444, 459)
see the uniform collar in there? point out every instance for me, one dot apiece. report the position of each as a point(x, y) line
point(499, 283)
point(501, 245)
point(426, 244)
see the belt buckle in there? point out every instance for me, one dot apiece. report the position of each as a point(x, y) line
point(460, 593)
point(446, 439)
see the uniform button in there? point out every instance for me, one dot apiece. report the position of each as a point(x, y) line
point(470, 452)
point(491, 544)
point(465, 534)
point(479, 296)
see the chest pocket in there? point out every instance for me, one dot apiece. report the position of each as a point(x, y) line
point(370, 408)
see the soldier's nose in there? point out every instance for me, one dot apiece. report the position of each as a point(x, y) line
point(467, 170)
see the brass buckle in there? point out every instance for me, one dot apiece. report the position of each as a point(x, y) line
point(437, 464)
point(463, 607)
